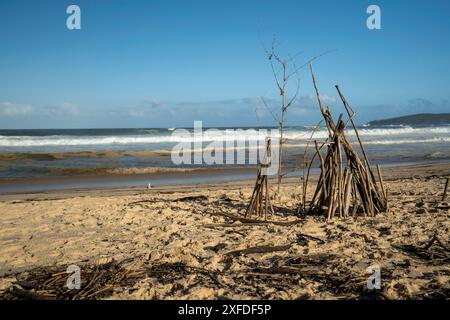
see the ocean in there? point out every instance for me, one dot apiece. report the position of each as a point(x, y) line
point(64, 152)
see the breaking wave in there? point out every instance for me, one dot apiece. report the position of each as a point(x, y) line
point(149, 137)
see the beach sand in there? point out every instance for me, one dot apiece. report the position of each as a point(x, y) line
point(187, 249)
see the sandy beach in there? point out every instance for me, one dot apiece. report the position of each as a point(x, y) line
point(178, 242)
point(225, 158)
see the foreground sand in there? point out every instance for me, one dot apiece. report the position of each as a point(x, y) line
point(180, 233)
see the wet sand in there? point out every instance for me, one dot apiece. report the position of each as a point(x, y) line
point(156, 177)
point(138, 178)
point(181, 229)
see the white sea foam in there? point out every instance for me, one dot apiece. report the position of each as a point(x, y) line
point(370, 136)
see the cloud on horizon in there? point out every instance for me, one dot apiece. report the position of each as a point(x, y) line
point(12, 109)
point(248, 111)
point(9, 109)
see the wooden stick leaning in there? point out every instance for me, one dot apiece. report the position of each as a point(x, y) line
point(444, 195)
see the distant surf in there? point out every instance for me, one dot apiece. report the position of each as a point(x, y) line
point(163, 139)
point(69, 152)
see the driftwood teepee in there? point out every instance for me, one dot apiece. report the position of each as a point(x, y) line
point(346, 184)
point(260, 204)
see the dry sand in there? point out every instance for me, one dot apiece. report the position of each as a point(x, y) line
point(178, 232)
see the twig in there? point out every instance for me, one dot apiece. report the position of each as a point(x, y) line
point(259, 249)
point(444, 195)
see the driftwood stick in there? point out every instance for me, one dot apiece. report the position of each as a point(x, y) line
point(322, 167)
point(259, 249)
point(266, 198)
point(25, 294)
point(331, 199)
point(355, 206)
point(250, 205)
point(340, 180)
point(380, 176)
point(308, 173)
point(369, 192)
point(315, 87)
point(444, 195)
point(348, 190)
point(305, 164)
point(347, 108)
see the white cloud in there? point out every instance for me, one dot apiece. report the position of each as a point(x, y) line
point(65, 109)
point(310, 102)
point(153, 103)
point(13, 109)
point(250, 107)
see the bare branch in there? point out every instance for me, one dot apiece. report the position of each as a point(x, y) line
point(307, 63)
point(294, 98)
point(282, 70)
point(292, 58)
point(274, 116)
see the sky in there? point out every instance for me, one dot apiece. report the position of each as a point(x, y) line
point(167, 63)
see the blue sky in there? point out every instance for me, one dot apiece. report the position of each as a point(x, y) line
point(168, 63)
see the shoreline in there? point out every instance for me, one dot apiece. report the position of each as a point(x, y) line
point(127, 181)
point(177, 177)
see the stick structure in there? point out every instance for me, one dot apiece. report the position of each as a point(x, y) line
point(347, 184)
point(260, 204)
